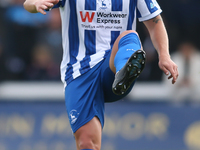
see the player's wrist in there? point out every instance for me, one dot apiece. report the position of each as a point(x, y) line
point(164, 55)
point(30, 5)
point(35, 5)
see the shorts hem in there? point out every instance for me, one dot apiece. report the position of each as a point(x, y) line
point(80, 125)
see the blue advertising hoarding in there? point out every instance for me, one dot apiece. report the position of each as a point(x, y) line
point(128, 125)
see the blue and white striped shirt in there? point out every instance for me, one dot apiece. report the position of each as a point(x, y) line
point(90, 27)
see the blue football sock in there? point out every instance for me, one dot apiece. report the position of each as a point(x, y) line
point(128, 44)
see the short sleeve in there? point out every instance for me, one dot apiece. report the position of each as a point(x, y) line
point(147, 9)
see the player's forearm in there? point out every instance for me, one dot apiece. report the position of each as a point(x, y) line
point(29, 5)
point(158, 35)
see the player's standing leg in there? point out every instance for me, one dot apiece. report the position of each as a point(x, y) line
point(84, 100)
point(89, 135)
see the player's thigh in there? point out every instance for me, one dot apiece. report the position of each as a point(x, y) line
point(115, 48)
point(90, 133)
point(84, 99)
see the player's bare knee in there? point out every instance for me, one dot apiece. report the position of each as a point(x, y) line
point(86, 144)
point(97, 147)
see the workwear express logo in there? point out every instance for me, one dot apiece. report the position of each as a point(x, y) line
point(87, 16)
point(102, 17)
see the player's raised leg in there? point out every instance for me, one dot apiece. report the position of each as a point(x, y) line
point(127, 61)
point(88, 137)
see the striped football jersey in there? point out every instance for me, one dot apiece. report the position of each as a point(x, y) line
point(90, 28)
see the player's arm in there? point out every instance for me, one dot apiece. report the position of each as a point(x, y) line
point(35, 6)
point(159, 38)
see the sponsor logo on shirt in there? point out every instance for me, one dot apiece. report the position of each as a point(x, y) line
point(102, 17)
point(88, 16)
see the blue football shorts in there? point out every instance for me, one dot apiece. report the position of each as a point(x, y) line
point(85, 96)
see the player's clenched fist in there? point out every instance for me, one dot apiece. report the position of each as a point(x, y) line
point(35, 6)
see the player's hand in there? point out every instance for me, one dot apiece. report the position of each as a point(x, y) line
point(168, 67)
point(42, 5)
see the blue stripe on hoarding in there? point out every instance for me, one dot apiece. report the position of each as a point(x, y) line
point(90, 4)
point(150, 6)
point(117, 5)
point(73, 40)
point(90, 45)
point(132, 7)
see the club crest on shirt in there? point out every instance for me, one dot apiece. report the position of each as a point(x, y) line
point(103, 4)
point(73, 114)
